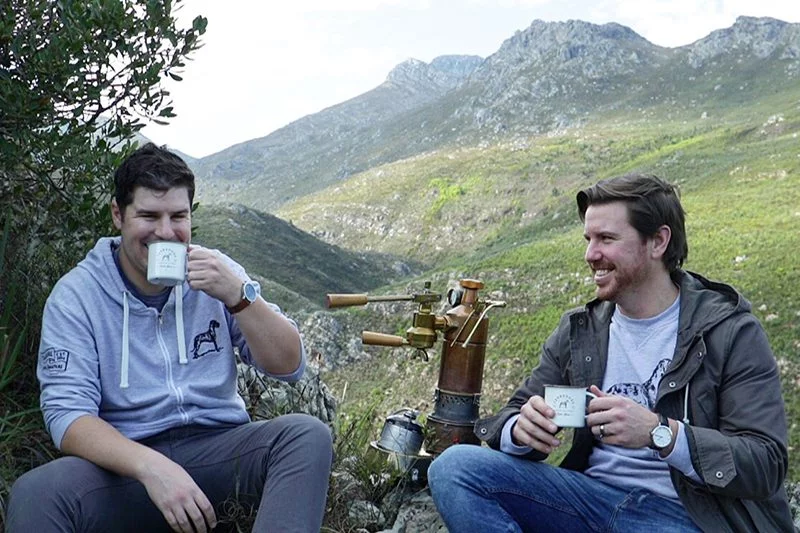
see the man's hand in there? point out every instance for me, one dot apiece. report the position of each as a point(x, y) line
point(184, 506)
point(625, 422)
point(274, 341)
point(168, 485)
point(534, 427)
point(208, 272)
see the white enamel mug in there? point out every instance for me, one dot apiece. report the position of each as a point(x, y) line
point(569, 403)
point(166, 262)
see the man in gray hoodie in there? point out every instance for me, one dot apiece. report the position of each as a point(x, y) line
point(687, 431)
point(139, 389)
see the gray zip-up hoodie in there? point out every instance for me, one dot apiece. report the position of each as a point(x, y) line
point(104, 353)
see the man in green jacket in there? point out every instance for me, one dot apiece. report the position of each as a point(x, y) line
point(687, 431)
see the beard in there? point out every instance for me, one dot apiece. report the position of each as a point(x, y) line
point(619, 281)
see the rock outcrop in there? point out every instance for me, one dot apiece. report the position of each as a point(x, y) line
point(266, 398)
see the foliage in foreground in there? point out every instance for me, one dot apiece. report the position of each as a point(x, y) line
point(76, 78)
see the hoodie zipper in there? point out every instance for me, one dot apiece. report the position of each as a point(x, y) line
point(168, 364)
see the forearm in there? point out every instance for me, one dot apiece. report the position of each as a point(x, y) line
point(273, 340)
point(677, 453)
point(95, 440)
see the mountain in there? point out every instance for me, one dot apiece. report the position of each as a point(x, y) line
point(323, 148)
point(556, 75)
point(546, 115)
point(546, 79)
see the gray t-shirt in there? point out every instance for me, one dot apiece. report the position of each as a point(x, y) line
point(639, 353)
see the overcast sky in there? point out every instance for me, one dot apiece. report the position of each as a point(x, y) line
point(266, 63)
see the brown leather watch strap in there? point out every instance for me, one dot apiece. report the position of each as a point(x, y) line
point(238, 307)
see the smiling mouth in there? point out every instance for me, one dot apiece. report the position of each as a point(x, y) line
point(601, 273)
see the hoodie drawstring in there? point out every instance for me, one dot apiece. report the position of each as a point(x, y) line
point(686, 405)
point(182, 359)
point(179, 324)
point(123, 375)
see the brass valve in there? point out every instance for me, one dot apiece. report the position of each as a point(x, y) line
point(422, 333)
point(425, 325)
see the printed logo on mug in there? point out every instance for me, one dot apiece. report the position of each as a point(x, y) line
point(166, 263)
point(569, 403)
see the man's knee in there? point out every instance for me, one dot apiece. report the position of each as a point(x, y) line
point(41, 483)
point(309, 434)
point(448, 464)
point(26, 490)
point(316, 427)
point(36, 493)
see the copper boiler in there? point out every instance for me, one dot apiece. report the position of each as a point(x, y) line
point(457, 395)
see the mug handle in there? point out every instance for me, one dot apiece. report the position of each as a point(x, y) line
point(594, 397)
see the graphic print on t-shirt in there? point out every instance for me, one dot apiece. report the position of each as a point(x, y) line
point(642, 393)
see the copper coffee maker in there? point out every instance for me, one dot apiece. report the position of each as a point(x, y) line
point(466, 328)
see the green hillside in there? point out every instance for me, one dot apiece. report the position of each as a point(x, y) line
point(294, 268)
point(452, 201)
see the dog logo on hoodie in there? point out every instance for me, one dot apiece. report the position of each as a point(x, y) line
point(205, 338)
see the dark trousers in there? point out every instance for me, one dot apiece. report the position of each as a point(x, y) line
point(280, 467)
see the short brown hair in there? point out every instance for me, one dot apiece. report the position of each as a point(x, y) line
point(151, 167)
point(651, 203)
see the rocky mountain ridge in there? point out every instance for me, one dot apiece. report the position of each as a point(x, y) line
point(437, 77)
point(761, 37)
point(547, 78)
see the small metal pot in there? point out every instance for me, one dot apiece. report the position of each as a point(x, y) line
point(402, 433)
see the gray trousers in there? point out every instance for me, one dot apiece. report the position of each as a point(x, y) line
point(280, 466)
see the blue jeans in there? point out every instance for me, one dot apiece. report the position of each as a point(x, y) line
point(478, 489)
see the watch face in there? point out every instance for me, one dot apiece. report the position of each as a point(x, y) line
point(249, 292)
point(662, 436)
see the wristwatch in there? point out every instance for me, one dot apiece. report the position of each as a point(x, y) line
point(661, 435)
point(249, 295)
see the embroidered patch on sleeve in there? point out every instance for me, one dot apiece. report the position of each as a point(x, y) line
point(55, 361)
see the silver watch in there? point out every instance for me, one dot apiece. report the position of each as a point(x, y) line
point(249, 295)
point(661, 435)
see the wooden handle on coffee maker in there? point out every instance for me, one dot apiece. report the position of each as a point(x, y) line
point(345, 300)
point(382, 339)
